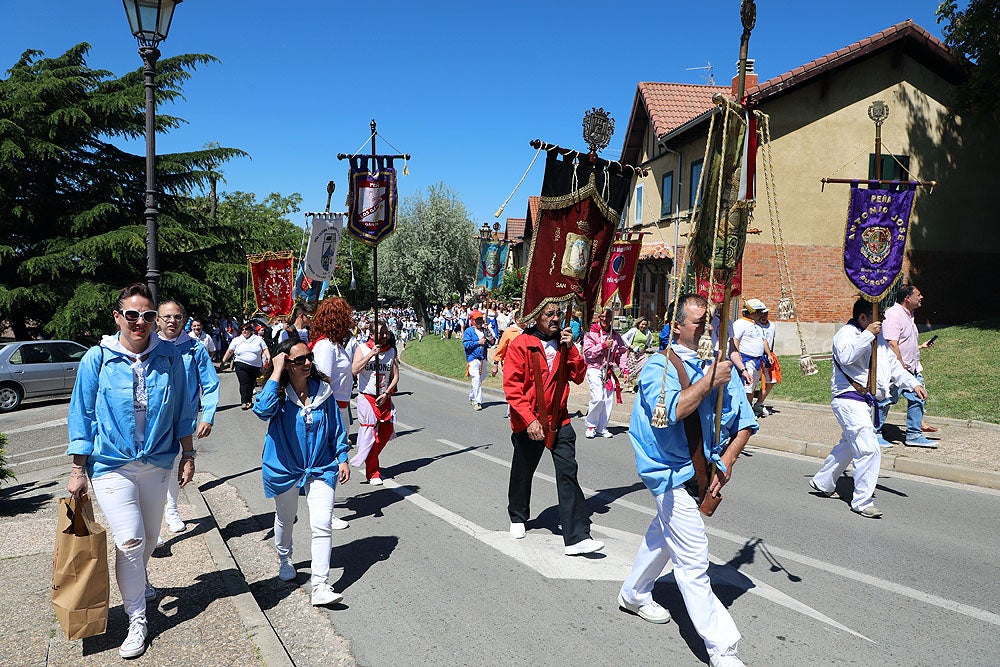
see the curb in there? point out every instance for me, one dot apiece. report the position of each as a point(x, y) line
point(272, 651)
point(930, 469)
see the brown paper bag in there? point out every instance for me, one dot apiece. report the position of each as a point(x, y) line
point(80, 585)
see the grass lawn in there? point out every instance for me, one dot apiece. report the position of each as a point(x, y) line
point(961, 371)
point(442, 357)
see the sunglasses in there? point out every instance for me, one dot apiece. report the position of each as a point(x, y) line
point(298, 361)
point(134, 315)
point(168, 318)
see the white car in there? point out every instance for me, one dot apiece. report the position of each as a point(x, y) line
point(36, 368)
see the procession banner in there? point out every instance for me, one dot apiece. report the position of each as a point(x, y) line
point(306, 288)
point(875, 237)
point(372, 200)
point(572, 235)
point(718, 282)
point(271, 273)
point(619, 277)
point(324, 241)
point(492, 259)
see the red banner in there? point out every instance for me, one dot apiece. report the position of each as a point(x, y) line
point(272, 282)
point(619, 277)
point(569, 251)
point(718, 281)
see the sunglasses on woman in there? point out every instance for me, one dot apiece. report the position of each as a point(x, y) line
point(134, 315)
point(298, 361)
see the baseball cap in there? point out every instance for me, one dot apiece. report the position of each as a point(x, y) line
point(755, 306)
point(475, 315)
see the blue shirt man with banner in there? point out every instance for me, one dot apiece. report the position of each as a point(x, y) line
point(476, 340)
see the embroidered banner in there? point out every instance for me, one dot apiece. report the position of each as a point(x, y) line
point(619, 277)
point(271, 273)
point(875, 238)
point(372, 199)
point(719, 281)
point(492, 260)
point(308, 289)
point(324, 241)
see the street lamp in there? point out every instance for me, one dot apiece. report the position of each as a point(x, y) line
point(149, 21)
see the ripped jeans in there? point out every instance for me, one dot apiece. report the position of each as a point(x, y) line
point(132, 499)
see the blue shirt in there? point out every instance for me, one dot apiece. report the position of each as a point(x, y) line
point(301, 443)
point(473, 348)
point(664, 336)
point(101, 416)
point(202, 380)
point(662, 456)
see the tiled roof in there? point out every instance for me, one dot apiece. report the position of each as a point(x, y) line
point(928, 47)
point(534, 201)
point(670, 105)
point(515, 228)
point(655, 251)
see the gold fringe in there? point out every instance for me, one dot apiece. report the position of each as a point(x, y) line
point(705, 348)
point(659, 419)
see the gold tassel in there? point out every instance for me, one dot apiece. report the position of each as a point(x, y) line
point(705, 348)
point(807, 366)
point(406, 168)
point(785, 310)
point(659, 419)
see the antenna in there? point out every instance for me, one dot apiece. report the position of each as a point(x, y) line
point(709, 70)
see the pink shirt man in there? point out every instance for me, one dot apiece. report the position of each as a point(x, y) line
point(899, 325)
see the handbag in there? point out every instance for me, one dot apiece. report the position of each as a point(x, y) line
point(80, 585)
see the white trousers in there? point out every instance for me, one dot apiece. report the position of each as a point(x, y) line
point(319, 497)
point(677, 533)
point(132, 499)
point(858, 444)
point(601, 402)
point(173, 490)
point(476, 374)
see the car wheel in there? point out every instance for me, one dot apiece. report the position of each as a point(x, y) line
point(10, 397)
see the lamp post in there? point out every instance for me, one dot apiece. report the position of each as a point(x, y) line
point(149, 21)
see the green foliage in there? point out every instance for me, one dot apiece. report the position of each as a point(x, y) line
point(5, 472)
point(974, 34)
point(432, 254)
point(511, 285)
point(72, 203)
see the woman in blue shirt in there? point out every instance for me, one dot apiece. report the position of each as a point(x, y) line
point(129, 410)
point(305, 453)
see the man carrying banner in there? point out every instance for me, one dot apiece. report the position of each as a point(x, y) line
point(603, 350)
point(530, 380)
point(669, 464)
point(853, 407)
point(476, 341)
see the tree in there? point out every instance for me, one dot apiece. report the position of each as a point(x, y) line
point(433, 252)
point(511, 285)
point(974, 34)
point(71, 203)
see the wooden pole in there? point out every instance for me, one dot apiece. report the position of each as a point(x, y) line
point(375, 275)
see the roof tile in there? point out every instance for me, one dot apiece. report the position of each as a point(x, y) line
point(670, 105)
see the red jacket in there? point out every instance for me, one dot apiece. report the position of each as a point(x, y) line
point(519, 383)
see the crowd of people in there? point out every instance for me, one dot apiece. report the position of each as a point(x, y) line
point(144, 395)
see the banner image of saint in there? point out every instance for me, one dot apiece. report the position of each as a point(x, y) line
point(492, 259)
point(324, 241)
point(271, 274)
point(875, 238)
point(372, 200)
point(619, 277)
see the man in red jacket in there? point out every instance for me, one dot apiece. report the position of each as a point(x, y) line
point(533, 360)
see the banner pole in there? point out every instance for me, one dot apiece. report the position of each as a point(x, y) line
point(375, 273)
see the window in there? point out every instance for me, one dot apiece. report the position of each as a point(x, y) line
point(33, 353)
point(667, 194)
point(695, 177)
point(68, 351)
point(894, 168)
point(637, 205)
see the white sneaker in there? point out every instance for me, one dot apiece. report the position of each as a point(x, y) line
point(135, 643)
point(652, 612)
point(338, 524)
point(605, 434)
point(587, 546)
point(517, 530)
point(286, 571)
point(322, 595)
point(375, 481)
point(150, 593)
point(724, 661)
point(590, 433)
point(177, 526)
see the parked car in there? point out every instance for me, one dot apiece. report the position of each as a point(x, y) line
point(35, 368)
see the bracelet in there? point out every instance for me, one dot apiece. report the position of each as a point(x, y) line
point(189, 453)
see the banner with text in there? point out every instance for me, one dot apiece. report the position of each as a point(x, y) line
point(271, 274)
point(324, 241)
point(372, 199)
point(619, 277)
point(875, 237)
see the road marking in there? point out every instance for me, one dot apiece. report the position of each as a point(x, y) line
point(44, 458)
point(37, 427)
point(40, 449)
point(543, 553)
point(890, 586)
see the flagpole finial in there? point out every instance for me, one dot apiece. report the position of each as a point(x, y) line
point(598, 126)
point(878, 111)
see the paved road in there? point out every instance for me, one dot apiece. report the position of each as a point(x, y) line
point(431, 577)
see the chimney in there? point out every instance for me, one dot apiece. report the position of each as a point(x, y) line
point(751, 79)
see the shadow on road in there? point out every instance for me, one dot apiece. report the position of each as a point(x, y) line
point(14, 500)
point(359, 556)
point(208, 486)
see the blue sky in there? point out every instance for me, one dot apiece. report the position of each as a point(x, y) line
point(463, 87)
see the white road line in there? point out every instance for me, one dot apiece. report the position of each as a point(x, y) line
point(37, 427)
point(892, 587)
point(44, 458)
point(40, 449)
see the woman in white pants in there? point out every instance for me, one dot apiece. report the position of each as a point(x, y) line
point(333, 350)
point(603, 350)
point(128, 414)
point(305, 453)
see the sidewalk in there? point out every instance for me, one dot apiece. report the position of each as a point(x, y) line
point(204, 614)
point(968, 451)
